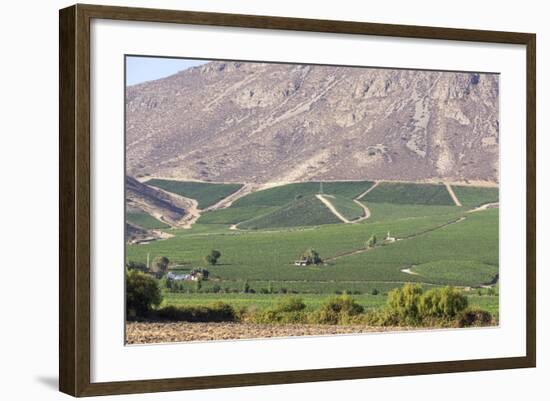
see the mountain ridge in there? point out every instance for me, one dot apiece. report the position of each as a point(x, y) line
point(262, 123)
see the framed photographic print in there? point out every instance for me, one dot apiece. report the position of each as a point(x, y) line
point(279, 200)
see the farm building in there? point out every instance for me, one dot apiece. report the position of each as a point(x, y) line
point(179, 277)
point(389, 238)
point(302, 262)
point(194, 275)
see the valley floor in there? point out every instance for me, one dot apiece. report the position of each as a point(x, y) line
point(404, 233)
point(147, 333)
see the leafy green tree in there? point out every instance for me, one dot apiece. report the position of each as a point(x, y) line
point(160, 265)
point(371, 243)
point(246, 287)
point(142, 293)
point(404, 303)
point(312, 257)
point(212, 257)
point(444, 303)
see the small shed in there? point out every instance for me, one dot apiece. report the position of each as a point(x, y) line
point(389, 238)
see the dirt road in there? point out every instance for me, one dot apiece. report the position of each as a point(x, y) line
point(368, 190)
point(484, 207)
point(330, 207)
point(453, 195)
point(326, 201)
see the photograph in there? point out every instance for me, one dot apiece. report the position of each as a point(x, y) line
point(270, 199)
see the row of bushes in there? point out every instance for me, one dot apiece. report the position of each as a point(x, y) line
point(336, 310)
point(444, 307)
point(197, 287)
point(192, 287)
point(217, 312)
point(406, 306)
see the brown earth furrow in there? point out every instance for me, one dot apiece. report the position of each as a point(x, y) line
point(147, 333)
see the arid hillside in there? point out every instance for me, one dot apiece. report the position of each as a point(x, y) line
point(163, 206)
point(261, 123)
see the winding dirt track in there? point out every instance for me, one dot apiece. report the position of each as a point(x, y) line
point(330, 206)
point(453, 195)
point(484, 207)
point(368, 190)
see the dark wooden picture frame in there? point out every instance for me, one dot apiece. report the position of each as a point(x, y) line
point(74, 199)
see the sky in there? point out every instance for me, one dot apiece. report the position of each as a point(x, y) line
point(141, 69)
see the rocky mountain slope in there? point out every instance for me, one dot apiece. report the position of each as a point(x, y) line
point(161, 205)
point(259, 123)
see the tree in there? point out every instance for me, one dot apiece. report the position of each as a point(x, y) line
point(404, 303)
point(371, 243)
point(160, 265)
point(246, 287)
point(212, 257)
point(142, 293)
point(444, 302)
point(131, 265)
point(311, 256)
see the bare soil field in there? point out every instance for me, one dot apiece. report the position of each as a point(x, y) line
point(147, 333)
